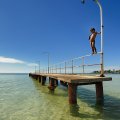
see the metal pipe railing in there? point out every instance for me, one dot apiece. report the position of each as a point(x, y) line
point(69, 66)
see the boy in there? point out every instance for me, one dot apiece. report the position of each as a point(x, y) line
point(92, 39)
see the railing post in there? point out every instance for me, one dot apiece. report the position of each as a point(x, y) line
point(56, 68)
point(83, 64)
point(60, 68)
point(102, 66)
point(65, 67)
point(72, 67)
point(51, 69)
point(35, 68)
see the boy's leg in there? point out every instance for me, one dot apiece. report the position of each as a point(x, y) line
point(92, 46)
point(95, 50)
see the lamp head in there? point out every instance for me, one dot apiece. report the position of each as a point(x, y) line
point(82, 1)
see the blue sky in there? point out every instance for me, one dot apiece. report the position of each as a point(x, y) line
point(61, 27)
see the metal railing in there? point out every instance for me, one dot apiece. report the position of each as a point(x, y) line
point(71, 66)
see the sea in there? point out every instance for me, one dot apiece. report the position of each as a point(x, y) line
point(24, 98)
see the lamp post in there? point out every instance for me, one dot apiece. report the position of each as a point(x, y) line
point(48, 54)
point(101, 27)
point(35, 68)
point(39, 65)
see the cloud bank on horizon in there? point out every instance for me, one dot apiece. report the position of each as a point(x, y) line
point(10, 60)
point(15, 61)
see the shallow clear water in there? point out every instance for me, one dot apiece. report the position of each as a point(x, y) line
point(22, 98)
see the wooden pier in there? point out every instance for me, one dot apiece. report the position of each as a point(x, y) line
point(72, 81)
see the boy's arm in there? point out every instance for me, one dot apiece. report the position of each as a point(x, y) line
point(98, 32)
point(89, 37)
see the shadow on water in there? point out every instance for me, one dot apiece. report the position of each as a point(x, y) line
point(74, 111)
point(109, 110)
point(44, 88)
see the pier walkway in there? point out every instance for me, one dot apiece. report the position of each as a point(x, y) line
point(71, 73)
point(72, 81)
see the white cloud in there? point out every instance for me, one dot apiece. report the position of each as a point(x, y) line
point(19, 66)
point(16, 61)
point(10, 60)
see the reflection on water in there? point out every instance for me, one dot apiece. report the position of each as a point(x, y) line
point(74, 110)
point(22, 98)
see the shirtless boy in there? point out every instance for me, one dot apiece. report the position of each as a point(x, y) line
point(92, 39)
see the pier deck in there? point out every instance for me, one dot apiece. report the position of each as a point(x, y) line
point(76, 78)
point(72, 81)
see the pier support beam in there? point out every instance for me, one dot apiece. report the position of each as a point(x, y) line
point(39, 78)
point(56, 82)
point(43, 80)
point(30, 75)
point(52, 84)
point(72, 93)
point(35, 77)
point(99, 93)
point(64, 83)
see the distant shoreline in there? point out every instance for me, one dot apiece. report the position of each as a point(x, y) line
point(108, 72)
point(94, 72)
point(13, 73)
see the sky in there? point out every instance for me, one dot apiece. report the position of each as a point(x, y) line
point(29, 28)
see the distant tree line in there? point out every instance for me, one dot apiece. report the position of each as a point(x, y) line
point(109, 71)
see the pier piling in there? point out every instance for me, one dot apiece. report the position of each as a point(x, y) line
point(52, 85)
point(39, 78)
point(99, 92)
point(43, 80)
point(72, 81)
point(72, 93)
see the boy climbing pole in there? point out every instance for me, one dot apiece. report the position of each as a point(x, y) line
point(92, 40)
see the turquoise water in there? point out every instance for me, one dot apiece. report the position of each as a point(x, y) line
point(22, 98)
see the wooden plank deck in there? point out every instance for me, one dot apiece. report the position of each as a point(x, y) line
point(72, 78)
point(72, 81)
